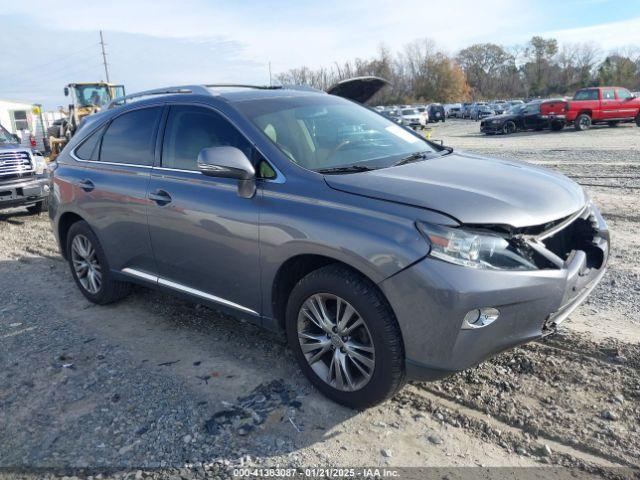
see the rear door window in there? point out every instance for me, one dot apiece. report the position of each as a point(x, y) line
point(130, 138)
point(586, 95)
point(608, 94)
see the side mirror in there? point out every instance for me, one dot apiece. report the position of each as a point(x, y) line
point(66, 91)
point(229, 162)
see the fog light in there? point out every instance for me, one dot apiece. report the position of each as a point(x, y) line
point(480, 317)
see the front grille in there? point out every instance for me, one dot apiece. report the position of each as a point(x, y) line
point(15, 164)
point(580, 234)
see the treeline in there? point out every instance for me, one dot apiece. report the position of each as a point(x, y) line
point(421, 72)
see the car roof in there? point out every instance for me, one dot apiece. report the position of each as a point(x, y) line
point(227, 92)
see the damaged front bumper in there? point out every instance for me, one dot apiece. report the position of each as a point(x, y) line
point(432, 297)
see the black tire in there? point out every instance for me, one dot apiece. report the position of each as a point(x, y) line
point(388, 375)
point(582, 122)
point(38, 208)
point(557, 126)
point(509, 127)
point(613, 124)
point(110, 290)
point(638, 120)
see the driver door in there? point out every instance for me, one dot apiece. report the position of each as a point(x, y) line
point(203, 235)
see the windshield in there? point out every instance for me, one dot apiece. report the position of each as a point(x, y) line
point(322, 131)
point(409, 111)
point(5, 136)
point(92, 95)
point(517, 108)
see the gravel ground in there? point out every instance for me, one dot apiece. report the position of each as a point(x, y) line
point(160, 388)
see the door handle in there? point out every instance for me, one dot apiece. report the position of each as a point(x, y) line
point(86, 185)
point(160, 197)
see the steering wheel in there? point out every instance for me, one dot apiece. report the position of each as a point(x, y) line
point(348, 143)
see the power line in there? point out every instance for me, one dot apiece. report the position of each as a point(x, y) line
point(56, 61)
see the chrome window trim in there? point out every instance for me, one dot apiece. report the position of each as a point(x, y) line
point(73, 155)
point(183, 288)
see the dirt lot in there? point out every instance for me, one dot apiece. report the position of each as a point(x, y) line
point(156, 383)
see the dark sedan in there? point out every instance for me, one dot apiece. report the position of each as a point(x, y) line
point(519, 117)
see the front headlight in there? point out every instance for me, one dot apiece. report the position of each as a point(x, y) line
point(473, 249)
point(39, 163)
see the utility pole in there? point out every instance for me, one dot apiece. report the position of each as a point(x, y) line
point(104, 57)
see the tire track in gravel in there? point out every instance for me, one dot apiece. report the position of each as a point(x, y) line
point(544, 391)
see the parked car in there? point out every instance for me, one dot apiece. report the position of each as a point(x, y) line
point(454, 110)
point(382, 257)
point(424, 116)
point(499, 108)
point(436, 113)
point(518, 118)
point(465, 111)
point(610, 105)
point(24, 176)
point(410, 117)
point(480, 110)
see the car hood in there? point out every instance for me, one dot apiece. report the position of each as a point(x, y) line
point(503, 116)
point(472, 189)
point(9, 146)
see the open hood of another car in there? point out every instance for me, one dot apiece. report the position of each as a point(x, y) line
point(359, 89)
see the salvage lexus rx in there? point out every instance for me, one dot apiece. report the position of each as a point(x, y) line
point(381, 256)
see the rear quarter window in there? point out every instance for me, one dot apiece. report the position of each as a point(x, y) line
point(89, 149)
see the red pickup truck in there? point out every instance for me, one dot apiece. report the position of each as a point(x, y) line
point(610, 105)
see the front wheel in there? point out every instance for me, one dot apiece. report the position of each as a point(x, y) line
point(39, 207)
point(509, 128)
point(90, 268)
point(583, 122)
point(345, 337)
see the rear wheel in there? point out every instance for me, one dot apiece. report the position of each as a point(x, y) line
point(557, 126)
point(345, 337)
point(509, 128)
point(90, 268)
point(583, 122)
point(638, 119)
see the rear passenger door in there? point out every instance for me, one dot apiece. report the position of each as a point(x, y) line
point(110, 179)
point(204, 236)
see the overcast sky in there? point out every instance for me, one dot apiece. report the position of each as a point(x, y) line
point(46, 44)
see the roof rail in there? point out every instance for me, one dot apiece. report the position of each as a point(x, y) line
point(199, 89)
point(240, 85)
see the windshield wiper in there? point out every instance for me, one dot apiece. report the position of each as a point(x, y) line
point(415, 157)
point(346, 169)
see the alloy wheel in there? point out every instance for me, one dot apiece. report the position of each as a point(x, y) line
point(85, 264)
point(336, 342)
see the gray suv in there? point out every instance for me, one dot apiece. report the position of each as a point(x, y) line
point(380, 256)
